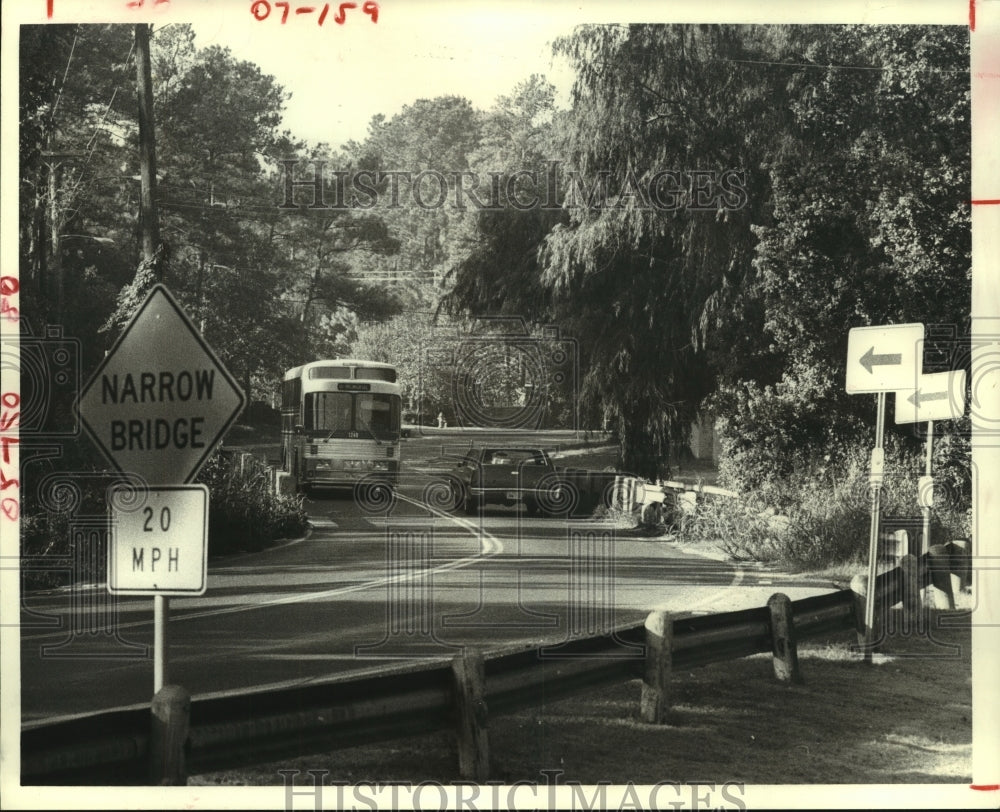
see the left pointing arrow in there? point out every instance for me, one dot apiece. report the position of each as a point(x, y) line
point(916, 398)
point(870, 359)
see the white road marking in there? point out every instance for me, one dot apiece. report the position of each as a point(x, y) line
point(490, 546)
point(403, 522)
point(709, 601)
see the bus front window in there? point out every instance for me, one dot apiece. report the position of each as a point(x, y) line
point(378, 414)
point(328, 412)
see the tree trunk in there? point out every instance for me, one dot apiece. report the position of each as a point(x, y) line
point(147, 151)
point(55, 252)
point(641, 454)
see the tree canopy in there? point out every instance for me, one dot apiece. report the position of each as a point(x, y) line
point(716, 208)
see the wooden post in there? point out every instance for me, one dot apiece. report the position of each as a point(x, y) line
point(961, 562)
point(940, 566)
point(655, 702)
point(859, 586)
point(784, 646)
point(171, 716)
point(469, 672)
point(911, 592)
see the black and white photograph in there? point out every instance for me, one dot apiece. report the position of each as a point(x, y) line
point(494, 405)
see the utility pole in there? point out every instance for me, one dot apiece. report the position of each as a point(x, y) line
point(147, 153)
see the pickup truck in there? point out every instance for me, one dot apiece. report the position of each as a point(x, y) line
point(505, 476)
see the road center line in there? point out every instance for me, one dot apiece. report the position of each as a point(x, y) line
point(490, 546)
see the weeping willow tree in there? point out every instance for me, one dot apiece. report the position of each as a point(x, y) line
point(648, 265)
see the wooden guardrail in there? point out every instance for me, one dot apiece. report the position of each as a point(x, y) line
point(178, 736)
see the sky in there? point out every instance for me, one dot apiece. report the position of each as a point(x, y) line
point(342, 75)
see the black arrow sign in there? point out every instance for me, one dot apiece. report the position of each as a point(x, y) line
point(870, 359)
point(916, 398)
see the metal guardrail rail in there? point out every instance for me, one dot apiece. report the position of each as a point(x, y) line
point(258, 726)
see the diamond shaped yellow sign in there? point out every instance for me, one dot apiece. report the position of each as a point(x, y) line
point(161, 400)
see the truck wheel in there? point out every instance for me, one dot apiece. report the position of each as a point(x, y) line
point(456, 495)
point(652, 515)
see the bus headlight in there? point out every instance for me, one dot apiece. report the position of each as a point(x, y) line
point(366, 465)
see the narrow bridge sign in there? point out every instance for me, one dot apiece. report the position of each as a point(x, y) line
point(883, 359)
point(161, 400)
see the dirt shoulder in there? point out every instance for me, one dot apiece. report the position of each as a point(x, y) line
point(904, 719)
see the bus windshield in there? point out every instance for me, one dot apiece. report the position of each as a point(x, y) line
point(339, 414)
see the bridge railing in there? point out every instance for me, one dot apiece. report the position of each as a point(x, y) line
point(177, 736)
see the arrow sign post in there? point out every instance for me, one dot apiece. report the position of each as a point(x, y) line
point(940, 396)
point(157, 406)
point(879, 360)
point(883, 359)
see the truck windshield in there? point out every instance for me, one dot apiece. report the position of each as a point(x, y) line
point(514, 456)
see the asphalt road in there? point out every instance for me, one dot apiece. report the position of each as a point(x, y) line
point(366, 587)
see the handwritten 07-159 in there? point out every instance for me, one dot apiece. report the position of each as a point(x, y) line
point(261, 10)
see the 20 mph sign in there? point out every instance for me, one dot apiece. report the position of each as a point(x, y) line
point(883, 359)
point(161, 400)
point(157, 544)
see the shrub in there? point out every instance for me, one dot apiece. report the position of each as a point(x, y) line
point(767, 433)
point(244, 512)
point(820, 514)
point(50, 502)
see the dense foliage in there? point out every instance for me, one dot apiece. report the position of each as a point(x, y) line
point(716, 209)
point(847, 150)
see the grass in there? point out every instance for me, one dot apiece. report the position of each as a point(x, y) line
point(905, 718)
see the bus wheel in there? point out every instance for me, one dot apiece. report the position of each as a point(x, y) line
point(375, 497)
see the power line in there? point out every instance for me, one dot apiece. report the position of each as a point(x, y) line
point(62, 85)
point(842, 67)
point(84, 187)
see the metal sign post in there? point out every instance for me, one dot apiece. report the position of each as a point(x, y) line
point(161, 615)
point(157, 406)
point(876, 477)
point(879, 360)
point(925, 490)
point(940, 396)
point(158, 545)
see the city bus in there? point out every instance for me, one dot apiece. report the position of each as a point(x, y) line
point(340, 424)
